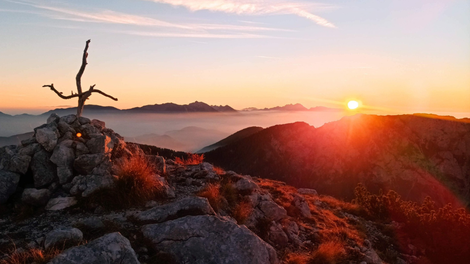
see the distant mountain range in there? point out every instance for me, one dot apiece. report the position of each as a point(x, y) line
point(415, 155)
point(195, 107)
point(293, 107)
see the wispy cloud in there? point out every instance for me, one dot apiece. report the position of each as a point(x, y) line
point(256, 7)
point(194, 30)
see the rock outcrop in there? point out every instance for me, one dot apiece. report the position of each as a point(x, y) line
point(415, 155)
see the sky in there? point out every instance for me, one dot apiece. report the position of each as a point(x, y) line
point(396, 56)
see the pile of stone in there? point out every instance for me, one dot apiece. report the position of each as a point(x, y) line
point(67, 157)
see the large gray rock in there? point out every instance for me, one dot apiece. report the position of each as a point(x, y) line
point(63, 155)
point(87, 185)
point(20, 163)
point(63, 237)
point(100, 144)
point(109, 249)
point(47, 136)
point(85, 164)
point(69, 119)
point(180, 208)
point(209, 239)
point(8, 183)
point(301, 205)
point(245, 185)
point(60, 203)
point(272, 211)
point(36, 197)
point(44, 171)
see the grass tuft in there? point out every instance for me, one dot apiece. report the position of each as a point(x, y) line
point(191, 159)
point(330, 252)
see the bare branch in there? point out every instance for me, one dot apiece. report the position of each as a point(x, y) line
point(82, 68)
point(51, 86)
point(105, 94)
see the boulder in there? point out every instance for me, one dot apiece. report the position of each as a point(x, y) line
point(63, 237)
point(63, 155)
point(307, 191)
point(60, 203)
point(301, 205)
point(29, 149)
point(100, 144)
point(8, 183)
point(87, 185)
point(81, 149)
point(180, 208)
point(158, 162)
point(84, 120)
point(112, 248)
point(89, 131)
point(47, 136)
point(272, 211)
point(64, 127)
point(245, 185)
point(65, 174)
point(209, 239)
point(35, 197)
point(276, 236)
point(69, 119)
point(98, 124)
point(44, 171)
point(85, 164)
point(53, 118)
point(19, 163)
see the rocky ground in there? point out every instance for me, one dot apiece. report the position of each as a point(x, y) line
point(51, 201)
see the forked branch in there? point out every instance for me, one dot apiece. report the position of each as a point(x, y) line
point(82, 96)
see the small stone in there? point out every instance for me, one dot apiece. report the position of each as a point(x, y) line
point(61, 203)
point(36, 197)
point(64, 237)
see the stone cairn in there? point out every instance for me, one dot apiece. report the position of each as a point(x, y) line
point(67, 157)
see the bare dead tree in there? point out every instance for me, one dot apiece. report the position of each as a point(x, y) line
point(82, 96)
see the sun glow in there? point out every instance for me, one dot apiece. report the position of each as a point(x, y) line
point(353, 105)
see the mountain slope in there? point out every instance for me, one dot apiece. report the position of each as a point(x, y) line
point(414, 155)
point(232, 138)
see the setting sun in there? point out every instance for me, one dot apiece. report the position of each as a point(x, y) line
point(353, 105)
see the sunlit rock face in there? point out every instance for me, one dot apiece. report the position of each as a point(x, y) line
point(414, 155)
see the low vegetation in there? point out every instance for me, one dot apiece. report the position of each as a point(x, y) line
point(442, 235)
point(136, 184)
point(34, 255)
point(191, 159)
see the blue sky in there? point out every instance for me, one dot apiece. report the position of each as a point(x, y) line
point(394, 56)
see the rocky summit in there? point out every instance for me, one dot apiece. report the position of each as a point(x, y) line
point(76, 192)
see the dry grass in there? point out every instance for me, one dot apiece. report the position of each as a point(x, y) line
point(212, 193)
point(191, 159)
point(330, 252)
point(219, 170)
point(136, 184)
point(35, 255)
point(297, 258)
point(241, 211)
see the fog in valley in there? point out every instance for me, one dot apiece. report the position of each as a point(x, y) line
point(186, 132)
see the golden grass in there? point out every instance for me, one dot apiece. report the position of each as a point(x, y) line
point(219, 170)
point(136, 183)
point(191, 159)
point(297, 258)
point(34, 255)
point(330, 252)
point(212, 193)
point(242, 211)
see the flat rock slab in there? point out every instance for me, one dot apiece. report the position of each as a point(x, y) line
point(60, 203)
point(109, 249)
point(180, 208)
point(206, 239)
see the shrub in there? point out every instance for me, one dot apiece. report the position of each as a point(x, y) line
point(212, 193)
point(136, 183)
point(296, 258)
point(191, 159)
point(241, 211)
point(34, 255)
point(443, 234)
point(330, 252)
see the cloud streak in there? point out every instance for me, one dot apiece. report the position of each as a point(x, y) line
point(112, 17)
point(255, 7)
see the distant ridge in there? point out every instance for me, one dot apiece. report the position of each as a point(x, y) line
point(294, 107)
point(195, 107)
point(246, 132)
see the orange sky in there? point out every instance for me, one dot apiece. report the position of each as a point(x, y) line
point(395, 57)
